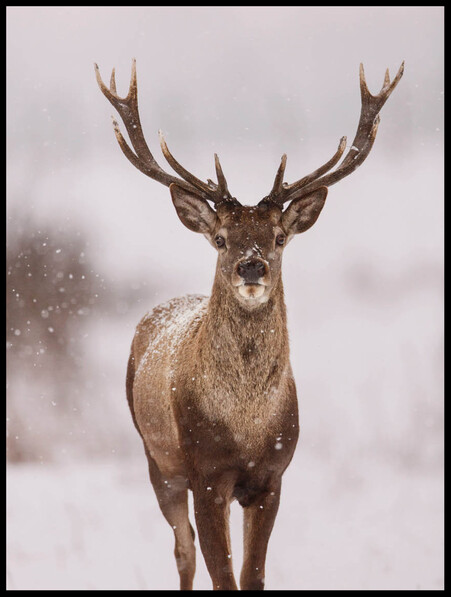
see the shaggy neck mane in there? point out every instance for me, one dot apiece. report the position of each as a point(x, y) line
point(245, 345)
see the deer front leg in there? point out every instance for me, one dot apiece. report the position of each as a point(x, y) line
point(258, 523)
point(172, 497)
point(212, 509)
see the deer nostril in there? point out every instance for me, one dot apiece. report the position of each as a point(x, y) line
point(260, 268)
point(251, 271)
point(241, 269)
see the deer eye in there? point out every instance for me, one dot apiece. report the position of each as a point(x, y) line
point(220, 242)
point(280, 239)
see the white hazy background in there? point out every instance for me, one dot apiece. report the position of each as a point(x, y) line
point(93, 244)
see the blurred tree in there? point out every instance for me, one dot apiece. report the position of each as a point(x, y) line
point(51, 291)
point(50, 287)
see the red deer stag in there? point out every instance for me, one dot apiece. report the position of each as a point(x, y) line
point(209, 380)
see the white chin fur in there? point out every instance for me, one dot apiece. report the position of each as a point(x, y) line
point(251, 291)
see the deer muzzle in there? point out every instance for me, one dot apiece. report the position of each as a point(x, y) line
point(251, 271)
point(251, 277)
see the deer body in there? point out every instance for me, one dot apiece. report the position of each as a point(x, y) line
point(209, 381)
point(214, 400)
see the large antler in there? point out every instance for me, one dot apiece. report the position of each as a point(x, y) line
point(361, 147)
point(143, 159)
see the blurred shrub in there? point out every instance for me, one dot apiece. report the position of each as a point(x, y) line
point(51, 292)
point(50, 288)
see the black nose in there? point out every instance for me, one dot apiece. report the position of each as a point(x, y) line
point(251, 270)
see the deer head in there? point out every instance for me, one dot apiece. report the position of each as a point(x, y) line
point(249, 240)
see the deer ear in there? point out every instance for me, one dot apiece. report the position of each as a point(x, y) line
point(303, 213)
point(193, 211)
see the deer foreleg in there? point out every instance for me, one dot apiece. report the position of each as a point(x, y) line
point(258, 523)
point(212, 510)
point(172, 497)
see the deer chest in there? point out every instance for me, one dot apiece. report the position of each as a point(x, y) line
point(247, 427)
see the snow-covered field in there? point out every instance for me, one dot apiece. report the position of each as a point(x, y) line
point(98, 526)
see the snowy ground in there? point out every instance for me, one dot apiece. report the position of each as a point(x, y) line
point(97, 526)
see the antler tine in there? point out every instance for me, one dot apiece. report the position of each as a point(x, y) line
point(386, 90)
point(141, 157)
point(346, 167)
point(319, 171)
point(112, 81)
point(217, 193)
point(371, 106)
point(222, 182)
point(386, 79)
point(281, 192)
point(278, 181)
point(360, 148)
point(129, 154)
point(133, 87)
point(196, 182)
point(128, 111)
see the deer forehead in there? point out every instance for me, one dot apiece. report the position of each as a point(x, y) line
point(250, 239)
point(246, 225)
